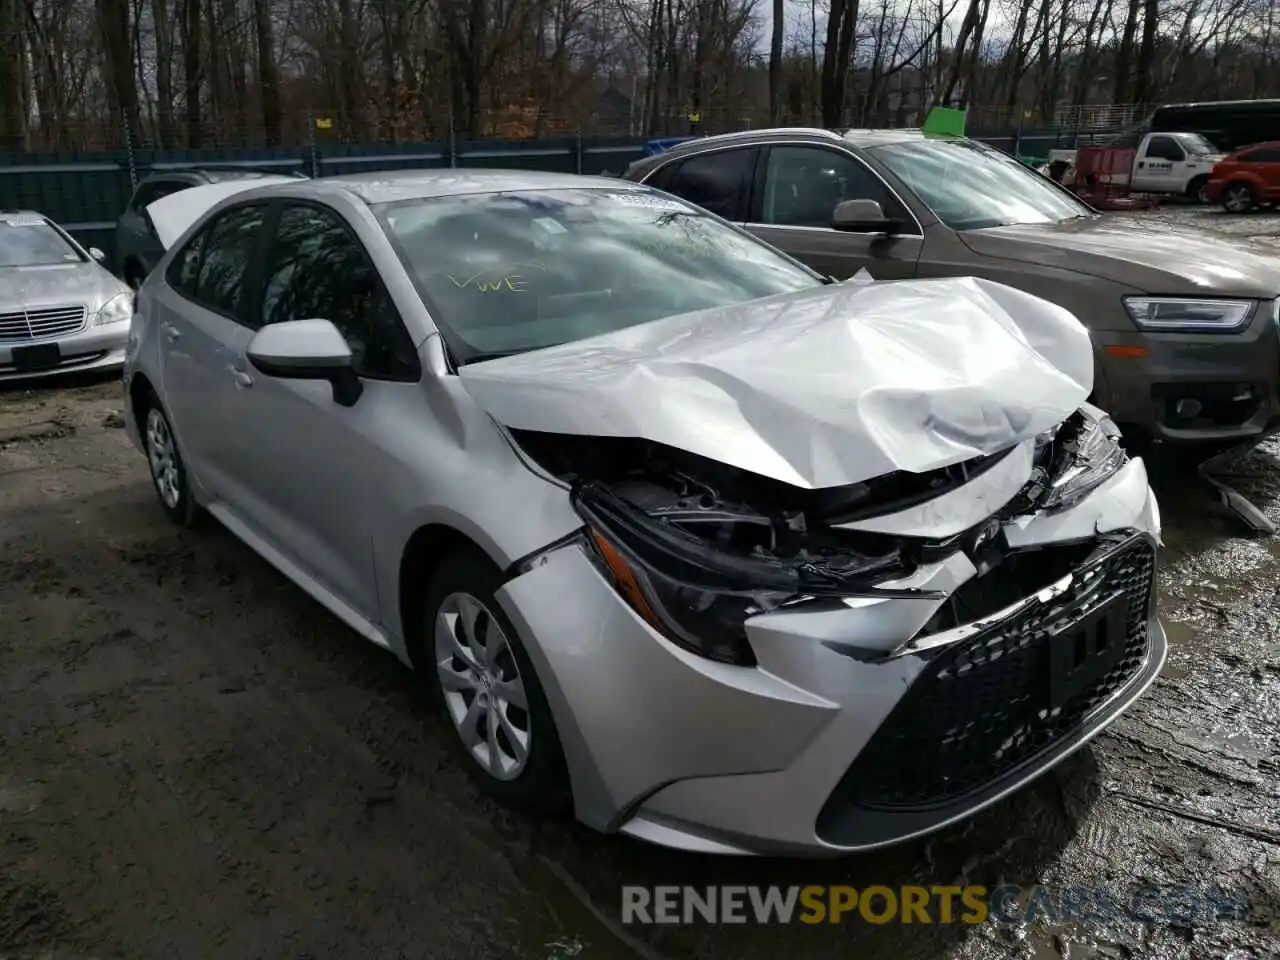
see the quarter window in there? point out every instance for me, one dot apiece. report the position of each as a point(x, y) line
point(318, 270)
point(803, 185)
point(715, 181)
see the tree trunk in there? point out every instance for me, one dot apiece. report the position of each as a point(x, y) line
point(1147, 52)
point(775, 63)
point(1124, 54)
point(113, 25)
point(268, 73)
point(13, 125)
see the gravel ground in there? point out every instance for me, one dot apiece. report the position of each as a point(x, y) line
point(196, 760)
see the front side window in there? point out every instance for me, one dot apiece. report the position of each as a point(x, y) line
point(1164, 148)
point(802, 186)
point(227, 255)
point(715, 181)
point(969, 185)
point(318, 270)
point(504, 273)
point(29, 240)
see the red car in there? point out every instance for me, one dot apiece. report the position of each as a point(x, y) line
point(1247, 178)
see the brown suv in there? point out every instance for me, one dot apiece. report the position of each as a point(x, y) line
point(1184, 325)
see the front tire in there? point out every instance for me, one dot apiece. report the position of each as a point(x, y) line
point(168, 472)
point(1238, 198)
point(487, 689)
point(1198, 190)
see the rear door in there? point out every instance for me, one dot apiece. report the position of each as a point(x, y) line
point(1265, 162)
point(719, 181)
point(798, 189)
point(200, 312)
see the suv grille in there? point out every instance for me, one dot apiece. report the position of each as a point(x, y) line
point(986, 705)
point(40, 324)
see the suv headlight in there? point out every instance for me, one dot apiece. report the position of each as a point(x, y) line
point(119, 309)
point(1189, 314)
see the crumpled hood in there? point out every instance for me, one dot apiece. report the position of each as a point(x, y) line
point(55, 285)
point(1159, 259)
point(817, 389)
point(172, 215)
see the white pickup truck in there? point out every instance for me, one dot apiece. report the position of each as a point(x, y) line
point(1177, 163)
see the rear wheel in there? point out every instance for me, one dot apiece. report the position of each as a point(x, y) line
point(1238, 197)
point(487, 689)
point(168, 472)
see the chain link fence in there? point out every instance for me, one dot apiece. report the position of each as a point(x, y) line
point(87, 173)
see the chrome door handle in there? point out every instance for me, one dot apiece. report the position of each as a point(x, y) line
point(171, 332)
point(241, 378)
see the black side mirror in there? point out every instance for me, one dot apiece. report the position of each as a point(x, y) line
point(861, 216)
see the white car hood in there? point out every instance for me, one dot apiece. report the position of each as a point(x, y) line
point(822, 388)
point(172, 215)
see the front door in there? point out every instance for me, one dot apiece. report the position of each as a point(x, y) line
point(202, 340)
point(801, 187)
point(308, 466)
point(1158, 168)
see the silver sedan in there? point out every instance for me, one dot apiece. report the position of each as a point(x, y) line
point(721, 554)
point(60, 309)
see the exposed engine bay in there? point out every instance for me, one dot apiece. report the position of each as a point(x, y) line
point(707, 526)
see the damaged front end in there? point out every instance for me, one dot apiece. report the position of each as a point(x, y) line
point(697, 548)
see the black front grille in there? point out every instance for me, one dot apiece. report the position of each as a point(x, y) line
point(985, 706)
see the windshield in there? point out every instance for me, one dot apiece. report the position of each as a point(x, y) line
point(1194, 143)
point(969, 185)
point(509, 272)
point(31, 241)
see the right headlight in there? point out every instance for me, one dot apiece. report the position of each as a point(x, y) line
point(695, 595)
point(1087, 454)
point(1189, 314)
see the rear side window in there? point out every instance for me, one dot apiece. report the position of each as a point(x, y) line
point(211, 269)
point(716, 181)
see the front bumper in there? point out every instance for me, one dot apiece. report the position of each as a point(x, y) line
point(827, 746)
point(1193, 387)
point(91, 348)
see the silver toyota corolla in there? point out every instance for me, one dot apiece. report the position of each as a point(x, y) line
point(60, 309)
point(728, 556)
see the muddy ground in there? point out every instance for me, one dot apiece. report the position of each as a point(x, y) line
point(196, 760)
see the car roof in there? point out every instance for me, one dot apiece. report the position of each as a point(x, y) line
point(389, 186)
point(22, 213)
point(856, 138)
point(217, 174)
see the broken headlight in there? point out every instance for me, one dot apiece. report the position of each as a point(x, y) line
point(708, 622)
point(696, 594)
point(1086, 453)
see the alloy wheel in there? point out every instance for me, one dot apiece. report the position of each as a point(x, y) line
point(1238, 198)
point(482, 687)
point(163, 458)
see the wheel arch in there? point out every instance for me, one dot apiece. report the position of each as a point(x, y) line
point(427, 548)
